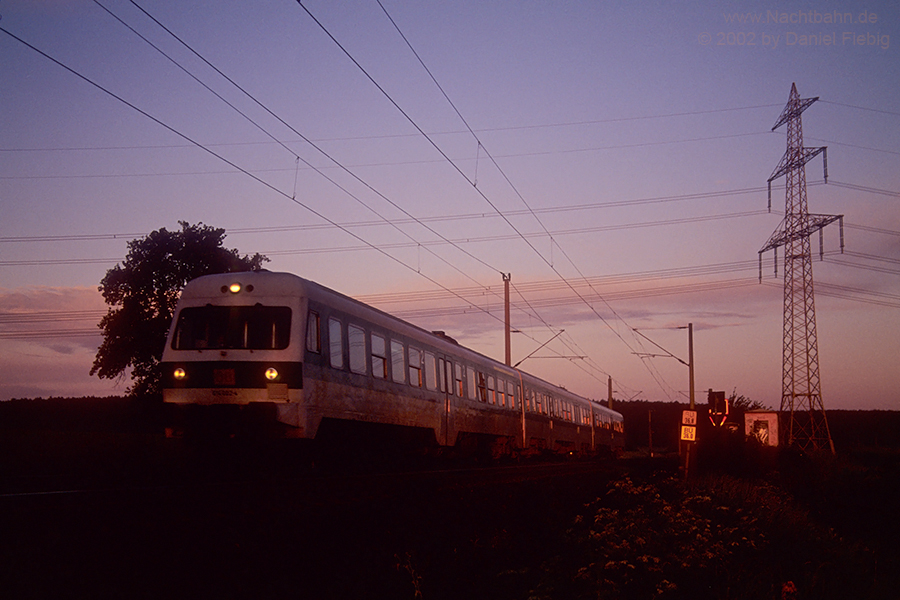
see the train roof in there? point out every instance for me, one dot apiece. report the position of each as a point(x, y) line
point(272, 283)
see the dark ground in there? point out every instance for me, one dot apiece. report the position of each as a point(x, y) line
point(94, 503)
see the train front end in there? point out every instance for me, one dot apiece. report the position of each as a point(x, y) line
point(233, 357)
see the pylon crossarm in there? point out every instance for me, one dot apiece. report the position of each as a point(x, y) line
point(776, 239)
point(793, 108)
point(813, 224)
point(792, 160)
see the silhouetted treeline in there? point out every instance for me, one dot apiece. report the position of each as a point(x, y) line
point(849, 429)
point(111, 414)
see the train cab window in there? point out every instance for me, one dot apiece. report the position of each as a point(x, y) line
point(415, 367)
point(398, 364)
point(379, 356)
point(212, 327)
point(335, 344)
point(356, 339)
point(430, 372)
point(460, 378)
point(313, 335)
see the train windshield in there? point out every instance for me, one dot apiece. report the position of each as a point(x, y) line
point(233, 327)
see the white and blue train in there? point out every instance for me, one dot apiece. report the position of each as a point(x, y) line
point(309, 358)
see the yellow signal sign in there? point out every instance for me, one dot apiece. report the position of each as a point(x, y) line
point(688, 433)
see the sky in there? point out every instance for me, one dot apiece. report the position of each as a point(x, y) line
point(612, 157)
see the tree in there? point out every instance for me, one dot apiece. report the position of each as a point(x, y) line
point(142, 293)
point(743, 403)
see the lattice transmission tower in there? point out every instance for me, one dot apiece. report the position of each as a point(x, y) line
point(802, 412)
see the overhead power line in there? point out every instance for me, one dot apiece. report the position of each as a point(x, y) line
point(223, 159)
point(471, 216)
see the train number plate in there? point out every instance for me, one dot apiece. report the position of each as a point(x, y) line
point(223, 376)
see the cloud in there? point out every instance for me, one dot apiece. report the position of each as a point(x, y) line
point(48, 338)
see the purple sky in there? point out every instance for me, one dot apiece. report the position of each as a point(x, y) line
point(633, 143)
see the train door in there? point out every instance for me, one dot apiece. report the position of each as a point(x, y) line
point(446, 385)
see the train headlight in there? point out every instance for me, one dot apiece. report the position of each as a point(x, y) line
point(234, 288)
point(179, 374)
point(271, 374)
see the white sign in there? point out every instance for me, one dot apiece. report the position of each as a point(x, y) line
point(689, 417)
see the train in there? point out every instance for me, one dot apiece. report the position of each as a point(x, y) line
point(275, 348)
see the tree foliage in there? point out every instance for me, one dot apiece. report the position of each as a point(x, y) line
point(142, 293)
point(741, 402)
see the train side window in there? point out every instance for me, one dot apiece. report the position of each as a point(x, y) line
point(356, 339)
point(490, 390)
point(398, 364)
point(379, 356)
point(460, 380)
point(442, 375)
point(415, 367)
point(473, 383)
point(430, 373)
point(513, 394)
point(501, 392)
point(313, 335)
point(448, 376)
point(335, 344)
point(482, 387)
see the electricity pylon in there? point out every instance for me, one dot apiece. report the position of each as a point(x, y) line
point(803, 414)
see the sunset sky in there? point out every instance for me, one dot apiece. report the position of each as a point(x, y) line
point(611, 156)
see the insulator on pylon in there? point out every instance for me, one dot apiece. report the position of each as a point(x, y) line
point(841, 226)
